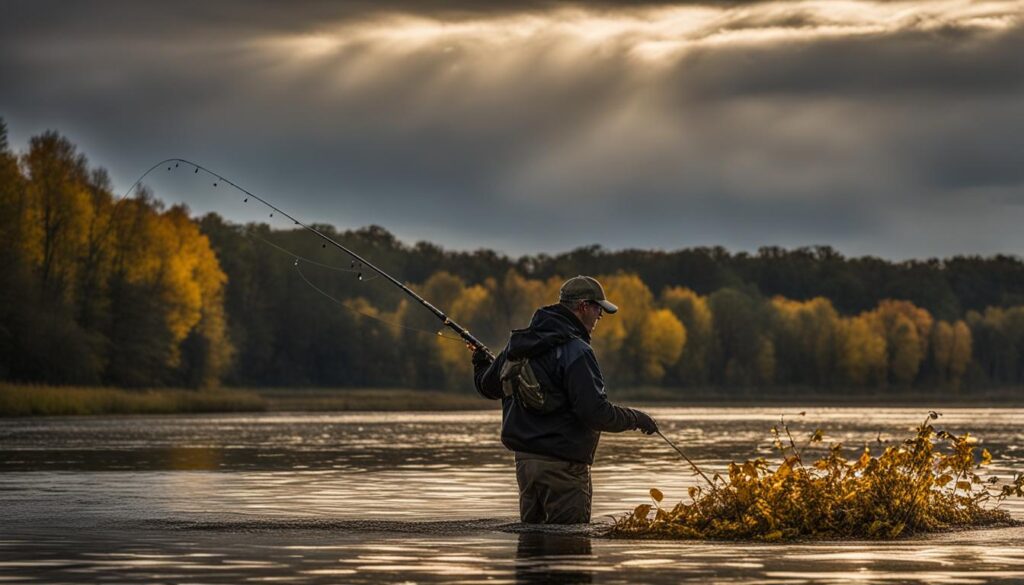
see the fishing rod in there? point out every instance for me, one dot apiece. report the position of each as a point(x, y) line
point(683, 455)
point(309, 261)
point(302, 275)
point(461, 331)
point(302, 259)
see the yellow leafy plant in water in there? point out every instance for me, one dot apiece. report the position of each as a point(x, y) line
point(927, 483)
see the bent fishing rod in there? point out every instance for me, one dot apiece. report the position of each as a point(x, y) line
point(462, 332)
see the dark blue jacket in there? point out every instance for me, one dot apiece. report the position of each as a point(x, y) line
point(559, 350)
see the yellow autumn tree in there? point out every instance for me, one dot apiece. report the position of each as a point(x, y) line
point(662, 343)
point(196, 292)
point(471, 309)
point(862, 356)
point(168, 288)
point(515, 299)
point(58, 213)
point(640, 341)
point(442, 288)
point(174, 244)
point(960, 357)
point(907, 330)
point(905, 356)
point(420, 343)
point(942, 349)
point(951, 351)
point(693, 312)
point(126, 287)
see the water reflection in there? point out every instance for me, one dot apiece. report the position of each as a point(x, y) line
point(553, 558)
point(466, 555)
point(193, 458)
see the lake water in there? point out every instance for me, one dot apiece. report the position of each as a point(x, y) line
point(426, 498)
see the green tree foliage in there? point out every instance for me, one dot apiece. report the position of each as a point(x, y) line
point(741, 353)
point(806, 335)
point(998, 336)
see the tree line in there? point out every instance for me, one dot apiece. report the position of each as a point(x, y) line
point(132, 293)
point(100, 291)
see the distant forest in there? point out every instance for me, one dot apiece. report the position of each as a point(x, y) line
point(136, 294)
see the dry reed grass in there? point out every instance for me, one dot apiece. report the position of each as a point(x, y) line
point(28, 400)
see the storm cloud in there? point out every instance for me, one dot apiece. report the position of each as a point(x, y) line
point(886, 128)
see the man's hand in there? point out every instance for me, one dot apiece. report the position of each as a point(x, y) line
point(480, 357)
point(644, 422)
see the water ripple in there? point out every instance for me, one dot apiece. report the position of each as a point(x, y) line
point(425, 497)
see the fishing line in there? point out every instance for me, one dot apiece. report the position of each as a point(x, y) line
point(374, 317)
point(463, 333)
point(313, 262)
point(302, 275)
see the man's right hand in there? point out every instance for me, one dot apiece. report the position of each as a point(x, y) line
point(481, 358)
point(645, 423)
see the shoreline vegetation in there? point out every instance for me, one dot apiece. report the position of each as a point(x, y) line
point(33, 400)
point(21, 400)
point(930, 482)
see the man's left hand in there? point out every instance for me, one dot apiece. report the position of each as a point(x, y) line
point(644, 422)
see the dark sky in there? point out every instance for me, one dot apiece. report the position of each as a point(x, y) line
point(886, 128)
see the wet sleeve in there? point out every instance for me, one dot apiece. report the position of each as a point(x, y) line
point(487, 377)
point(585, 387)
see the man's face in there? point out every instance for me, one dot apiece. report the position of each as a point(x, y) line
point(590, 314)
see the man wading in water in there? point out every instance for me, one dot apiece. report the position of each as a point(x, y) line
point(554, 406)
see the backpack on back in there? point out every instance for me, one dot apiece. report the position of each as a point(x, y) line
point(519, 381)
point(532, 390)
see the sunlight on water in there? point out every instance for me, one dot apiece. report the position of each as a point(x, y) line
point(426, 497)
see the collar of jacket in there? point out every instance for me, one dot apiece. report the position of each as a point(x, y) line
point(577, 326)
point(551, 326)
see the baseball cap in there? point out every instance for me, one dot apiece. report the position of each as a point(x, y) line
point(585, 288)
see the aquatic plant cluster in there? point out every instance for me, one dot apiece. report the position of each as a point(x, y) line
point(927, 483)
